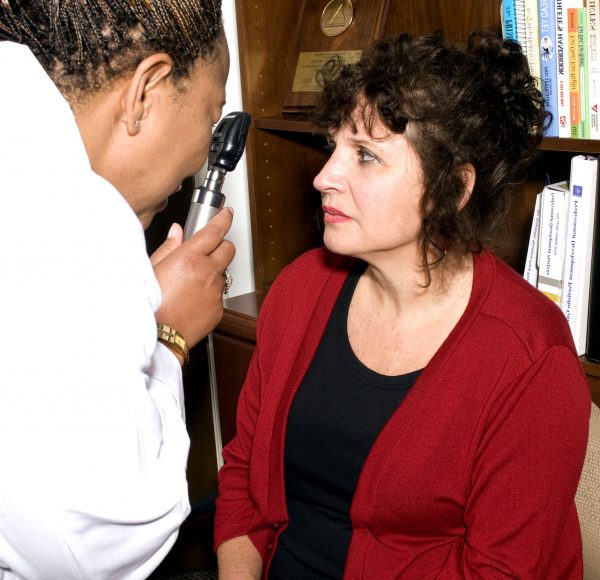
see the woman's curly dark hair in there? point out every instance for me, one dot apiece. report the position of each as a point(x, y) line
point(84, 44)
point(456, 105)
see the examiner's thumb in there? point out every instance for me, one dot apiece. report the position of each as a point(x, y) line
point(173, 241)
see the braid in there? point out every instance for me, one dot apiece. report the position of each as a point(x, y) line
point(84, 44)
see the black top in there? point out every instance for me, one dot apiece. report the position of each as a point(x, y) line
point(335, 418)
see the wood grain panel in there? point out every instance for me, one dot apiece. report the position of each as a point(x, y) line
point(367, 25)
point(232, 357)
point(286, 204)
point(456, 19)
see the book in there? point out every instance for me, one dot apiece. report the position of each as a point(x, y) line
point(583, 72)
point(574, 80)
point(509, 19)
point(552, 237)
point(578, 256)
point(531, 38)
point(521, 31)
point(593, 75)
point(530, 271)
point(547, 46)
point(593, 328)
point(562, 64)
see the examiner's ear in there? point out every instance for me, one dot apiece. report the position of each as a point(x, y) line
point(468, 177)
point(148, 76)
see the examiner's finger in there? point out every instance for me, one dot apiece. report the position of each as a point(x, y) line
point(223, 255)
point(208, 238)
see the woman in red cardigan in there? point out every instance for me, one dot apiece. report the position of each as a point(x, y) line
point(414, 408)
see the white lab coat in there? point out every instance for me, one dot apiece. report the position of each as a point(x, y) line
point(93, 445)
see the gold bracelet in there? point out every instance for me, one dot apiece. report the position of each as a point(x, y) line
point(173, 341)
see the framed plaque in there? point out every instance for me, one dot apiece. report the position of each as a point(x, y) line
point(329, 29)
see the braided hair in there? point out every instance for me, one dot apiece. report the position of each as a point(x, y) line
point(84, 44)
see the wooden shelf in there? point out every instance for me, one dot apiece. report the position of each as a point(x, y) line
point(240, 314)
point(573, 145)
point(591, 368)
point(293, 123)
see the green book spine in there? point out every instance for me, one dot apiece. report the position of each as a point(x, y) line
point(583, 71)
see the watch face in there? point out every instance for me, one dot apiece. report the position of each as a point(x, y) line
point(336, 17)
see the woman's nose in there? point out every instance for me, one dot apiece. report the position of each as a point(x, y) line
point(328, 178)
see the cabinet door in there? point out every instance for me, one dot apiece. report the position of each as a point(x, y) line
point(232, 357)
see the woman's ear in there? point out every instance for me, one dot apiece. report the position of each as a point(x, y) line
point(468, 178)
point(151, 74)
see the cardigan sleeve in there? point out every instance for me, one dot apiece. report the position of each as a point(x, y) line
point(527, 463)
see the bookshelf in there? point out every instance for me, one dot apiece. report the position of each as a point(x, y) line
point(284, 153)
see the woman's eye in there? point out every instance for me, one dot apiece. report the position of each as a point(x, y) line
point(366, 156)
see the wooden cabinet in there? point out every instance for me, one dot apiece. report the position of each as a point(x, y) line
point(284, 154)
point(233, 345)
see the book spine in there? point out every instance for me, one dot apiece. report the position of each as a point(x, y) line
point(593, 328)
point(509, 20)
point(562, 70)
point(583, 71)
point(593, 76)
point(520, 18)
point(531, 38)
point(577, 268)
point(552, 242)
point(549, 89)
point(562, 64)
point(574, 97)
point(530, 272)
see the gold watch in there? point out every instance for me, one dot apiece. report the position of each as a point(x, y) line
point(173, 341)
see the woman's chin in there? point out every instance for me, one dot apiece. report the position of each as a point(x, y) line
point(336, 248)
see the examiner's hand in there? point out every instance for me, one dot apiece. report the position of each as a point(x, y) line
point(191, 278)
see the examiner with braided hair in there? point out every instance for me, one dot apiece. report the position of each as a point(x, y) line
point(414, 409)
point(105, 108)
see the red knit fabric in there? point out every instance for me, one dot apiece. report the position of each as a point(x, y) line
point(475, 474)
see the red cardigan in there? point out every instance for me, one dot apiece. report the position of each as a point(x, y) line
point(475, 474)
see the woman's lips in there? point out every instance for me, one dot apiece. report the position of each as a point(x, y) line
point(332, 215)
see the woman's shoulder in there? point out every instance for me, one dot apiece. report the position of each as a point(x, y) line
point(521, 308)
point(312, 280)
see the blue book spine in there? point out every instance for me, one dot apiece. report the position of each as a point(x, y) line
point(548, 80)
point(509, 20)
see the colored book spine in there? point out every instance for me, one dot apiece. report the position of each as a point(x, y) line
point(509, 20)
point(578, 255)
point(562, 64)
point(593, 76)
point(532, 35)
point(583, 71)
point(562, 71)
point(574, 88)
point(530, 272)
point(552, 238)
point(547, 46)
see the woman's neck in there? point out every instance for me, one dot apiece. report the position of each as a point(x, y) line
point(396, 323)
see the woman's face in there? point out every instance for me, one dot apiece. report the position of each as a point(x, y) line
point(173, 139)
point(371, 190)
